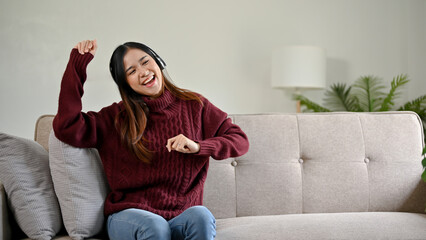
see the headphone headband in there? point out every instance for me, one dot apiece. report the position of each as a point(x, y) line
point(160, 61)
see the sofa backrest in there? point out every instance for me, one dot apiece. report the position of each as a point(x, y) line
point(316, 163)
point(321, 163)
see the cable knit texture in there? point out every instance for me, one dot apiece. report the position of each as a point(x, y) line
point(173, 181)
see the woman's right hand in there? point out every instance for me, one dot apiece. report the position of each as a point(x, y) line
point(87, 46)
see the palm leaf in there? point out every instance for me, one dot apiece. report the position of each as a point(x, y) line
point(397, 82)
point(338, 98)
point(310, 106)
point(424, 176)
point(367, 89)
point(418, 106)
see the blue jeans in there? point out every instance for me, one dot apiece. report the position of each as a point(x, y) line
point(194, 223)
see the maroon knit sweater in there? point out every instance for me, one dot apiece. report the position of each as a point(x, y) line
point(173, 181)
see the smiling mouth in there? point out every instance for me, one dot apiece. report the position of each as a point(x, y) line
point(149, 80)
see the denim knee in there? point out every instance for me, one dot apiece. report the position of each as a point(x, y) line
point(137, 224)
point(157, 229)
point(201, 215)
point(195, 223)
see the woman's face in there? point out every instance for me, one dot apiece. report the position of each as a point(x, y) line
point(142, 73)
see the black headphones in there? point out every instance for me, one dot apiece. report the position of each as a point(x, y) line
point(158, 59)
point(121, 50)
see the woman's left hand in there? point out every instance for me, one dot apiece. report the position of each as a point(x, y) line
point(182, 144)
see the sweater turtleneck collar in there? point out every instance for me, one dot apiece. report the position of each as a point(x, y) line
point(160, 103)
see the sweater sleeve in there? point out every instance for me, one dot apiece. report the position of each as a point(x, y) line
point(222, 138)
point(70, 124)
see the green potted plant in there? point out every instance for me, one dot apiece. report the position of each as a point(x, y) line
point(366, 95)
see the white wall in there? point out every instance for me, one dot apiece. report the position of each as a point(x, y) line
point(219, 48)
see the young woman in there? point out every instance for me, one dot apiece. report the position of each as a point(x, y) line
point(154, 145)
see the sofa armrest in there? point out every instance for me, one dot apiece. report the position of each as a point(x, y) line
point(4, 221)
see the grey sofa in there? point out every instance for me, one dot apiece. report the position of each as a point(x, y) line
point(316, 176)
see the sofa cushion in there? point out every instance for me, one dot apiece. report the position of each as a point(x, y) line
point(80, 185)
point(268, 178)
point(368, 225)
point(25, 173)
point(329, 162)
point(394, 144)
point(219, 189)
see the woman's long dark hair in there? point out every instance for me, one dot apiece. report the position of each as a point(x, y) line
point(132, 120)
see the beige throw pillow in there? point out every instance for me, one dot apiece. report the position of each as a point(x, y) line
point(80, 185)
point(25, 173)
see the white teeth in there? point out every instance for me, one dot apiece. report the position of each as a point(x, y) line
point(148, 81)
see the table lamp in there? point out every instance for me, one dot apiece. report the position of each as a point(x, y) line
point(299, 68)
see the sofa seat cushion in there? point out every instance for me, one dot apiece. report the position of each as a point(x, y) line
point(357, 225)
point(365, 225)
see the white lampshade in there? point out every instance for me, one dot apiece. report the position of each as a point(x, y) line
point(300, 67)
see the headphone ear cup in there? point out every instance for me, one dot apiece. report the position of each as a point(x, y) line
point(162, 64)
